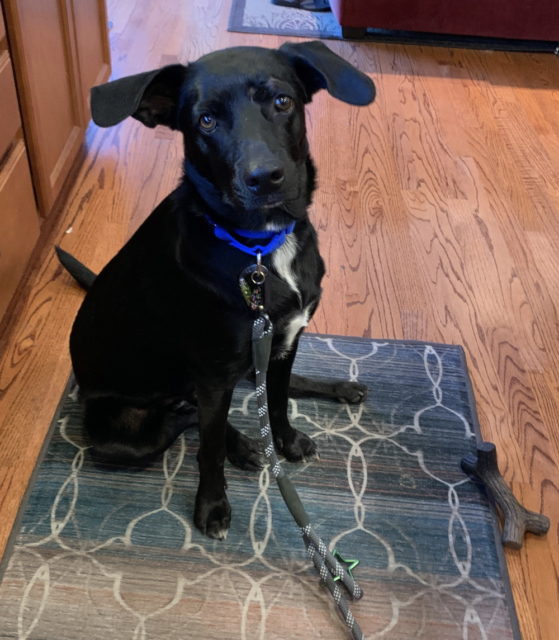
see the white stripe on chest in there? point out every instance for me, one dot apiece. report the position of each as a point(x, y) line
point(282, 261)
point(296, 323)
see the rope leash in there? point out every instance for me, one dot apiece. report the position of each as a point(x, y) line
point(331, 571)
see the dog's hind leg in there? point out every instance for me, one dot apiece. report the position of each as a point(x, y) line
point(134, 435)
point(342, 390)
point(243, 452)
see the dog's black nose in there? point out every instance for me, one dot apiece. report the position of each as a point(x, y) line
point(264, 178)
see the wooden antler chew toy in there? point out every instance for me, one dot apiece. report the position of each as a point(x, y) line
point(517, 520)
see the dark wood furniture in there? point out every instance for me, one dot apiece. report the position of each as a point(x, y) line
point(514, 19)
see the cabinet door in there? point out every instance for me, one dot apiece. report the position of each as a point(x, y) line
point(19, 224)
point(10, 123)
point(50, 101)
point(92, 45)
point(2, 29)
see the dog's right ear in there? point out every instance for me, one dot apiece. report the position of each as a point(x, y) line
point(318, 67)
point(151, 97)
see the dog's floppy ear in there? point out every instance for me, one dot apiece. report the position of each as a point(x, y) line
point(320, 68)
point(151, 97)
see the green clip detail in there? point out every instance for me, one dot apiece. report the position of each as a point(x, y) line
point(245, 290)
point(350, 562)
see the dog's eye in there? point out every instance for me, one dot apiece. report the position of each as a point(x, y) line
point(207, 122)
point(283, 103)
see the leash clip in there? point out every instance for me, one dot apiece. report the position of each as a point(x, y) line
point(259, 274)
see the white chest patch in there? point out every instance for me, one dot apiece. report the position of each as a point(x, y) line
point(282, 263)
point(296, 323)
point(282, 260)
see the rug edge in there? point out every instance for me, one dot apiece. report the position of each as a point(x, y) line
point(411, 343)
point(495, 518)
point(9, 548)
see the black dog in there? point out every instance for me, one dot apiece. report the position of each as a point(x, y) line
point(164, 334)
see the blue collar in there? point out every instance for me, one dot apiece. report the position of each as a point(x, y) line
point(275, 238)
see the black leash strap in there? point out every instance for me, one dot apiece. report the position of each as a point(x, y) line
point(331, 571)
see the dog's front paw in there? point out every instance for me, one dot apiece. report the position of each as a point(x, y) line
point(212, 517)
point(295, 446)
point(351, 392)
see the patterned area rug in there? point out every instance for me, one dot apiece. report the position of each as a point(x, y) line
point(112, 554)
point(261, 16)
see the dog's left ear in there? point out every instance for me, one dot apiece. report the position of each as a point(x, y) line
point(151, 97)
point(320, 68)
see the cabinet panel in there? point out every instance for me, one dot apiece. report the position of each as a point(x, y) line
point(19, 223)
point(2, 27)
point(10, 122)
point(50, 98)
point(90, 22)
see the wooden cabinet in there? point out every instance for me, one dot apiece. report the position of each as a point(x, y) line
point(19, 220)
point(51, 53)
point(10, 122)
point(92, 45)
point(60, 50)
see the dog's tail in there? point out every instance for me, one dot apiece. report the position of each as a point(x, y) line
point(81, 274)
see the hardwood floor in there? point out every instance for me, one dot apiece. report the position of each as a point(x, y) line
point(438, 215)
